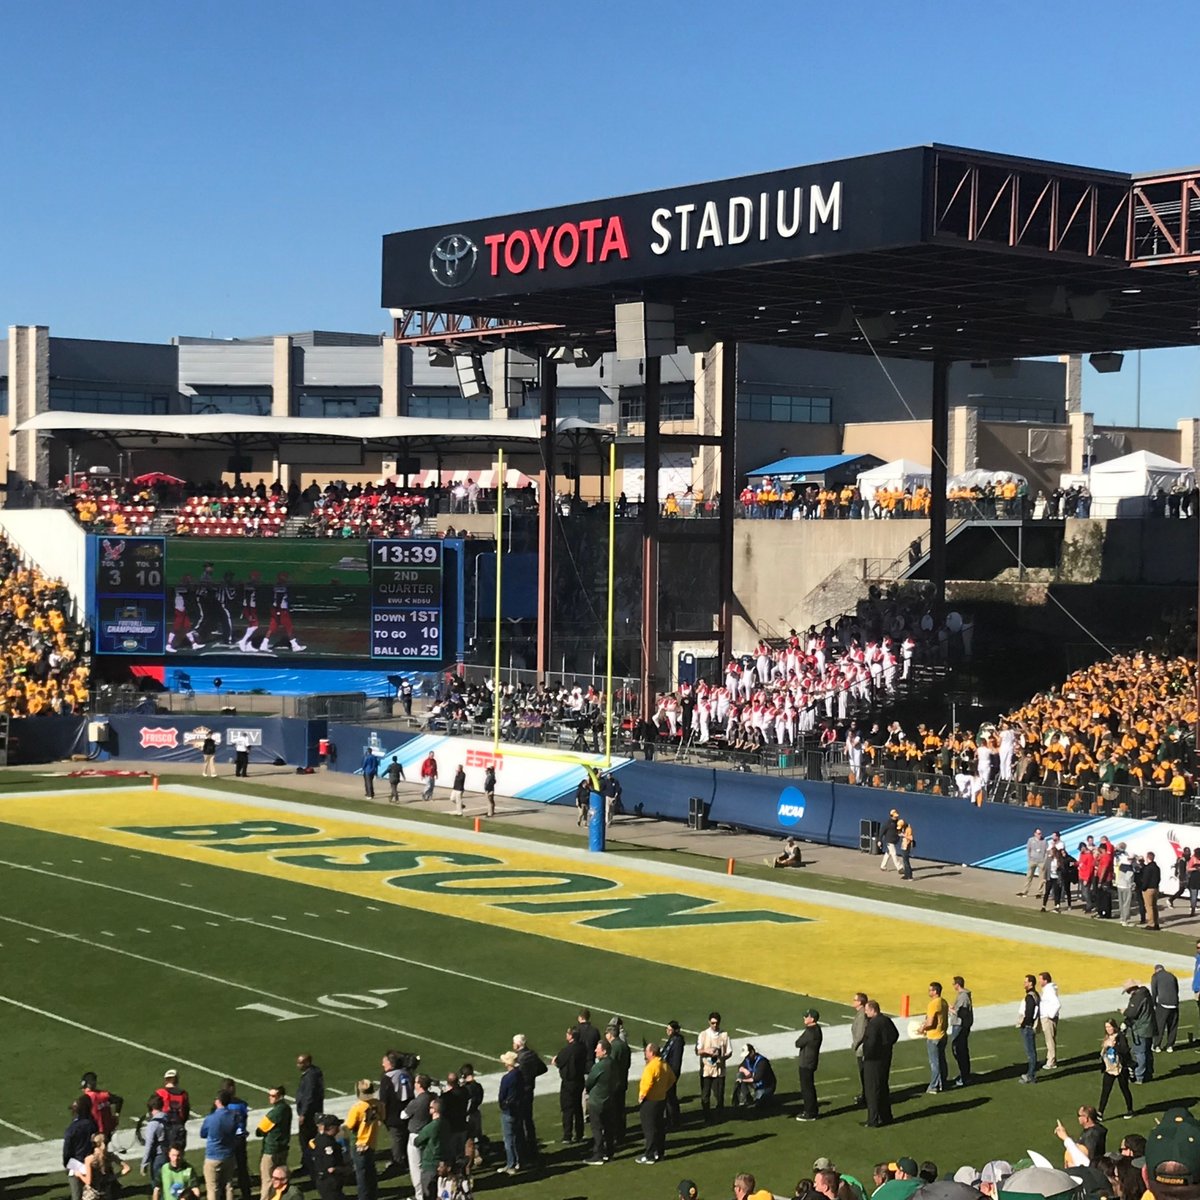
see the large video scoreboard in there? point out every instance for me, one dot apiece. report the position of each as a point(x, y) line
point(256, 599)
point(130, 595)
point(406, 600)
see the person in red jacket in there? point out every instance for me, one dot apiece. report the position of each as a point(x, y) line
point(1085, 864)
point(1102, 879)
point(106, 1106)
point(429, 773)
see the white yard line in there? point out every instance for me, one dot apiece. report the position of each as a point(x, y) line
point(161, 1054)
point(315, 1009)
point(315, 937)
point(22, 1131)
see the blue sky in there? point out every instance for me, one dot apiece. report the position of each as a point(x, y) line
point(229, 168)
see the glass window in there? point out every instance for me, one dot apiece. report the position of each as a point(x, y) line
point(450, 406)
point(3, 398)
point(337, 404)
point(783, 407)
point(68, 399)
point(252, 404)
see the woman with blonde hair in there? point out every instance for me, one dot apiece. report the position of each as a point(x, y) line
point(101, 1171)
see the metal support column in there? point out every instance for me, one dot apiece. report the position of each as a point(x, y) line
point(547, 498)
point(727, 492)
point(652, 456)
point(939, 459)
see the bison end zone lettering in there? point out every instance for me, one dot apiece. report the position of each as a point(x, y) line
point(159, 738)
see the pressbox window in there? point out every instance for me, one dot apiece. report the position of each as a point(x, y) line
point(758, 404)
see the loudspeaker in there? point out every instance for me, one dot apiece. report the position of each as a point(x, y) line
point(698, 810)
point(868, 836)
point(815, 763)
point(471, 379)
point(645, 330)
point(1106, 362)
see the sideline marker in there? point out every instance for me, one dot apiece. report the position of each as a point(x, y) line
point(729, 867)
point(478, 825)
point(904, 1006)
point(154, 782)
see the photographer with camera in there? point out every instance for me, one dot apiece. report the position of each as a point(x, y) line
point(714, 1051)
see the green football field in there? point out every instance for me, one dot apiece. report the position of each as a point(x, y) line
point(142, 930)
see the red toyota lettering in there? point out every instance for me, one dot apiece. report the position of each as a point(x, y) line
point(541, 239)
point(614, 240)
point(514, 263)
point(563, 257)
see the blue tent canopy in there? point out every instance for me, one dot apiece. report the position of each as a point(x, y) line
point(817, 466)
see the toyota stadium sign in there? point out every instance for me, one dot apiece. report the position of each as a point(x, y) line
point(855, 205)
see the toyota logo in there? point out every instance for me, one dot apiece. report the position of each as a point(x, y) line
point(453, 260)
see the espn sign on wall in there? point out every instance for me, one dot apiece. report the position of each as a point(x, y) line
point(525, 778)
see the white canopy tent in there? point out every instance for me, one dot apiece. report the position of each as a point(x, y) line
point(1123, 486)
point(901, 473)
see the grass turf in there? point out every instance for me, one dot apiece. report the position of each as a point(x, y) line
point(170, 961)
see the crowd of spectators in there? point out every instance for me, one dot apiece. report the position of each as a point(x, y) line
point(785, 691)
point(112, 509)
point(1125, 722)
point(371, 511)
point(530, 712)
point(43, 664)
point(775, 499)
point(1074, 501)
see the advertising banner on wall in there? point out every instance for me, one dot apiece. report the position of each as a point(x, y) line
point(1166, 840)
point(519, 772)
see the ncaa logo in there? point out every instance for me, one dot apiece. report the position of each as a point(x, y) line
point(453, 260)
point(790, 810)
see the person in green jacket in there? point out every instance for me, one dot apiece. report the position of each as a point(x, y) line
point(618, 1053)
point(434, 1145)
point(275, 1129)
point(599, 1087)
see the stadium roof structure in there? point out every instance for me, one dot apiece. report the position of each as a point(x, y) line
point(931, 252)
point(249, 431)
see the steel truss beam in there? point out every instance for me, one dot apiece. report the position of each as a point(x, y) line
point(419, 327)
point(1031, 209)
point(1166, 220)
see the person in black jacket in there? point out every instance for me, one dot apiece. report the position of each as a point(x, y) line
point(77, 1140)
point(395, 1091)
point(310, 1102)
point(589, 1035)
point(530, 1064)
point(809, 1046)
point(1150, 883)
point(572, 1067)
point(672, 1055)
point(879, 1038)
point(327, 1157)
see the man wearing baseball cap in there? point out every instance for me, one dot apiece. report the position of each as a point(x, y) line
point(1172, 1170)
point(687, 1190)
point(809, 1046)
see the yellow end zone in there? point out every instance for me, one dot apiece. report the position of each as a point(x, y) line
point(787, 940)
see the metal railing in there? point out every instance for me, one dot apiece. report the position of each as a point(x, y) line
point(1106, 800)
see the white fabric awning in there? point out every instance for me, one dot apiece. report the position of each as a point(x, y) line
point(223, 426)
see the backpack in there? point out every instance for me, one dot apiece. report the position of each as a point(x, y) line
point(175, 1105)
